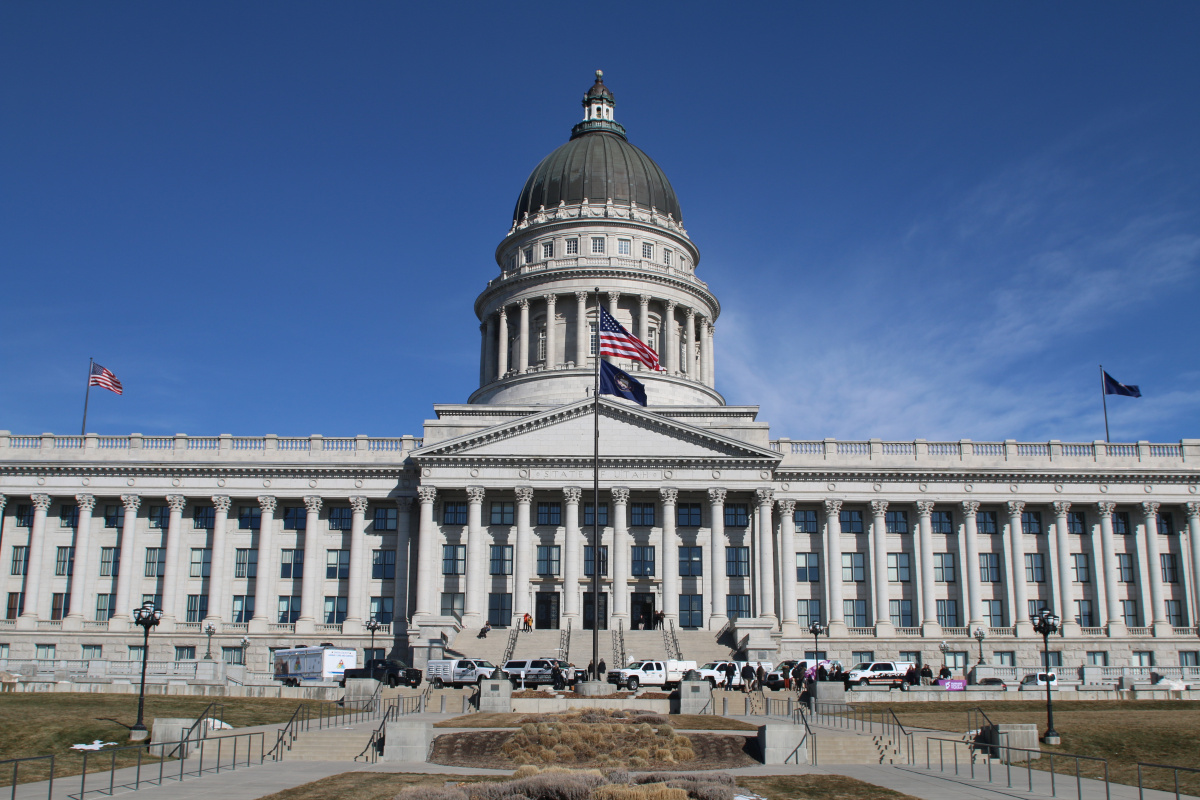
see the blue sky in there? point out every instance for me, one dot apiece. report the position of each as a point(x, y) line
point(923, 220)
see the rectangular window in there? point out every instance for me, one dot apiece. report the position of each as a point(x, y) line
point(548, 559)
point(1097, 658)
point(156, 562)
point(245, 563)
point(110, 562)
point(572, 247)
point(90, 651)
point(687, 515)
point(201, 563)
point(20, 559)
point(549, 513)
point(993, 612)
point(185, 652)
point(643, 561)
point(1075, 523)
point(737, 562)
point(737, 606)
point(295, 518)
point(896, 522)
point(647, 250)
point(64, 561)
point(197, 607)
point(234, 656)
point(854, 567)
point(691, 561)
point(1052, 659)
point(106, 605)
point(1080, 569)
point(589, 566)
point(985, 522)
point(855, 613)
point(899, 568)
point(1120, 522)
point(947, 613)
point(852, 521)
point(249, 518)
point(335, 610)
point(667, 256)
point(385, 518)
point(291, 564)
point(381, 609)
point(737, 515)
point(452, 604)
point(624, 247)
point(1004, 658)
point(152, 600)
point(597, 245)
point(45, 652)
point(641, 515)
point(454, 559)
point(806, 520)
point(1035, 570)
point(455, 513)
point(1036, 607)
point(16, 605)
point(499, 609)
point(1031, 522)
point(159, 516)
point(548, 249)
point(243, 608)
point(204, 518)
point(1189, 658)
point(901, 613)
point(808, 567)
point(337, 564)
point(502, 559)
point(1170, 570)
point(502, 513)
point(59, 604)
point(1166, 525)
point(589, 515)
point(68, 515)
point(289, 609)
point(528, 255)
point(808, 612)
point(1129, 613)
point(691, 611)
point(941, 522)
point(1143, 658)
point(943, 568)
point(1125, 567)
point(339, 518)
point(1174, 610)
point(1083, 614)
point(383, 565)
point(114, 516)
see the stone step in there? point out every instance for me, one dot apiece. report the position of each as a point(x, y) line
point(336, 744)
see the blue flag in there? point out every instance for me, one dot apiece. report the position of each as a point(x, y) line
point(1112, 386)
point(617, 382)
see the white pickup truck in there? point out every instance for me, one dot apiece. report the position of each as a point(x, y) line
point(878, 673)
point(666, 674)
point(714, 673)
point(458, 671)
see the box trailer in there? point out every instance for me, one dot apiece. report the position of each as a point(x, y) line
point(313, 664)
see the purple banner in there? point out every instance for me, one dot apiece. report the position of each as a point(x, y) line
point(954, 685)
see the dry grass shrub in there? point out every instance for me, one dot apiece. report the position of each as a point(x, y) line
point(648, 791)
point(650, 719)
point(606, 743)
point(431, 793)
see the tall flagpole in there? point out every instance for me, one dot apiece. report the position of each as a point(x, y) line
point(1104, 399)
point(86, 394)
point(596, 505)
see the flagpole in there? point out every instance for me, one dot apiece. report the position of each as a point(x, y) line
point(1104, 399)
point(596, 506)
point(86, 394)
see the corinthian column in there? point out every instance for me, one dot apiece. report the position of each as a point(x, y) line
point(426, 557)
point(356, 602)
point(489, 364)
point(712, 355)
point(883, 613)
point(643, 331)
point(313, 575)
point(132, 503)
point(1157, 616)
point(81, 588)
point(523, 555)
point(1193, 517)
point(1066, 599)
point(971, 568)
point(216, 582)
point(523, 341)
point(475, 602)
point(620, 553)
point(501, 348)
point(263, 583)
point(572, 556)
point(929, 620)
point(670, 552)
point(705, 348)
point(833, 567)
point(483, 353)
point(767, 567)
point(718, 583)
point(670, 359)
point(1114, 621)
point(551, 332)
point(614, 299)
point(582, 339)
point(787, 564)
point(689, 355)
point(173, 586)
point(33, 558)
point(1016, 567)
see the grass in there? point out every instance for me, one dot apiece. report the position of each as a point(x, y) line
point(817, 787)
point(705, 722)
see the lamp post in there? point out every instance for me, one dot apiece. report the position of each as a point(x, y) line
point(372, 626)
point(980, 634)
point(816, 629)
point(209, 630)
point(945, 648)
point(245, 644)
point(1046, 623)
point(147, 616)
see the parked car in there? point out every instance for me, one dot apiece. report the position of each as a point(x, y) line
point(776, 677)
point(666, 674)
point(391, 671)
point(1034, 680)
point(459, 671)
point(878, 673)
point(535, 671)
point(994, 684)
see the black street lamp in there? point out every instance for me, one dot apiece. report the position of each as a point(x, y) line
point(209, 630)
point(372, 626)
point(945, 648)
point(1046, 623)
point(980, 634)
point(245, 645)
point(816, 629)
point(147, 616)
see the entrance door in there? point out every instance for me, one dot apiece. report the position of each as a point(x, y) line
point(641, 611)
point(545, 611)
point(589, 614)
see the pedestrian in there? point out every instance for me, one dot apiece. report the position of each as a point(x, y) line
point(822, 672)
point(483, 632)
point(926, 675)
point(944, 673)
point(760, 677)
point(591, 671)
point(729, 669)
point(556, 678)
point(798, 677)
point(601, 669)
point(911, 676)
point(747, 678)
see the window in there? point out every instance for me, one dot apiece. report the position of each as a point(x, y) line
point(114, 516)
point(896, 521)
point(337, 564)
point(814, 655)
point(852, 521)
point(245, 563)
point(233, 655)
point(106, 606)
point(900, 612)
point(647, 250)
point(643, 561)
point(45, 652)
point(641, 515)
point(455, 513)
point(1129, 613)
point(737, 515)
point(985, 522)
point(381, 609)
point(1125, 567)
point(1189, 658)
point(499, 609)
point(90, 651)
point(993, 612)
point(1083, 614)
point(64, 561)
point(1052, 659)
point(383, 565)
point(502, 513)
point(201, 563)
point(1143, 658)
point(687, 515)
point(589, 566)
point(624, 247)
point(60, 603)
point(197, 607)
point(502, 559)
point(152, 600)
point(1036, 607)
point(808, 612)
point(691, 561)
point(185, 652)
point(295, 518)
point(691, 613)
point(943, 568)
point(20, 559)
point(1120, 521)
point(737, 561)
point(806, 520)
point(572, 247)
point(597, 245)
point(548, 559)
point(159, 516)
point(548, 249)
point(335, 610)
point(589, 515)
point(854, 567)
point(1075, 523)
point(68, 515)
point(204, 518)
point(1004, 658)
point(528, 253)
point(16, 605)
point(454, 559)
point(291, 564)
point(1079, 566)
point(243, 607)
point(1031, 522)
point(899, 568)
point(339, 518)
point(452, 604)
point(249, 518)
point(1097, 658)
point(1174, 610)
point(549, 513)
point(808, 567)
point(110, 562)
point(860, 656)
point(737, 606)
point(667, 256)
point(855, 613)
point(941, 522)
point(1035, 571)
point(1170, 571)
point(156, 562)
point(385, 518)
point(289, 609)
point(24, 516)
point(947, 613)
point(1166, 525)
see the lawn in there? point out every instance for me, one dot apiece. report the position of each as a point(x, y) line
point(699, 722)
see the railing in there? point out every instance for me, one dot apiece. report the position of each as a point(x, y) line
point(511, 647)
point(327, 714)
point(68, 443)
point(214, 710)
point(908, 631)
point(618, 646)
point(564, 642)
point(16, 768)
point(861, 631)
point(1147, 631)
point(956, 632)
point(899, 449)
point(976, 719)
point(158, 443)
point(294, 444)
point(328, 627)
point(799, 718)
point(1092, 631)
point(671, 641)
point(1174, 774)
point(972, 752)
point(864, 720)
point(1009, 631)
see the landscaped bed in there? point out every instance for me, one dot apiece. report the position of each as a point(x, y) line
point(679, 721)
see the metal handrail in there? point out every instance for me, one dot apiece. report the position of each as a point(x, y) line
point(973, 715)
point(16, 765)
point(208, 713)
point(564, 642)
point(370, 753)
point(991, 751)
point(1175, 774)
point(511, 647)
point(800, 718)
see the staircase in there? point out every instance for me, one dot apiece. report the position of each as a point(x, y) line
point(838, 747)
point(331, 744)
point(694, 645)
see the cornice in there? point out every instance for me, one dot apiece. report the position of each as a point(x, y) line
point(1009, 476)
point(226, 470)
point(585, 462)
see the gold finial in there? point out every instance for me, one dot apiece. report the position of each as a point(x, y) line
point(600, 75)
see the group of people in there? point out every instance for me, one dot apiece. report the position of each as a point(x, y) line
point(923, 675)
point(596, 672)
point(650, 620)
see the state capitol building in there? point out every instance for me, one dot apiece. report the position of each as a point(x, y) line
point(741, 538)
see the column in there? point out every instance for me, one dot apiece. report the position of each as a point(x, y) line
point(670, 358)
point(401, 612)
point(643, 331)
point(620, 552)
point(582, 337)
point(483, 353)
point(475, 602)
point(670, 552)
point(705, 344)
point(33, 558)
point(614, 299)
point(263, 583)
point(217, 579)
point(551, 331)
point(1114, 621)
point(767, 566)
point(489, 365)
point(1066, 594)
point(523, 555)
point(929, 619)
point(426, 557)
point(879, 568)
point(1157, 616)
point(523, 340)
point(1193, 517)
point(833, 566)
point(572, 555)
point(501, 348)
point(314, 574)
point(787, 563)
point(132, 503)
point(971, 567)
point(1016, 569)
point(357, 610)
point(82, 577)
point(172, 582)
point(712, 355)
point(689, 351)
point(718, 583)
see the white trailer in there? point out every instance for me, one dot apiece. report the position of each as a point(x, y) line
point(313, 664)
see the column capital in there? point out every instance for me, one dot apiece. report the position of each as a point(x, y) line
point(524, 494)
point(404, 503)
point(86, 502)
point(970, 508)
point(502, 313)
point(671, 306)
point(523, 303)
point(1150, 510)
point(132, 502)
point(222, 502)
point(1015, 507)
point(176, 502)
point(786, 506)
point(1106, 508)
point(717, 496)
point(924, 508)
point(267, 503)
point(643, 300)
point(691, 313)
point(669, 495)
point(832, 505)
point(766, 495)
point(613, 296)
point(879, 507)
point(41, 501)
point(483, 327)
point(475, 494)
point(3, 501)
point(427, 494)
point(573, 494)
point(359, 503)
point(1193, 510)
point(1061, 507)
point(551, 299)
point(620, 495)
point(582, 296)
point(712, 328)
point(312, 503)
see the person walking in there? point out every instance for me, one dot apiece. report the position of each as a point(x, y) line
point(728, 671)
point(601, 669)
point(747, 678)
point(760, 678)
point(556, 678)
point(591, 671)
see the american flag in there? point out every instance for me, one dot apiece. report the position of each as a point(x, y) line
point(105, 379)
point(616, 341)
